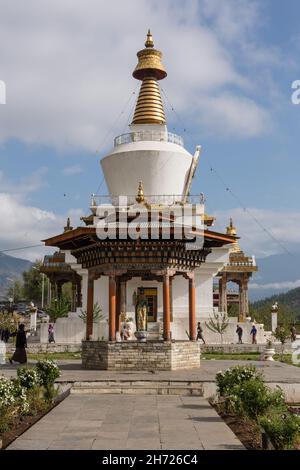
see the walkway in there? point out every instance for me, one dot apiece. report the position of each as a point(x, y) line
point(71, 371)
point(130, 422)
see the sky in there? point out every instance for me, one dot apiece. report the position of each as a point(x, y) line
point(67, 68)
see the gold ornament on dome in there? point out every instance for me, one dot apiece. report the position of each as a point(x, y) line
point(140, 195)
point(149, 108)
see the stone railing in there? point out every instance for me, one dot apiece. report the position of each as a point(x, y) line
point(148, 136)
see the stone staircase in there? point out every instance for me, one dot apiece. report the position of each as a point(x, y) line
point(140, 387)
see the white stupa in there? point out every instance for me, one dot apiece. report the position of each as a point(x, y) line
point(148, 153)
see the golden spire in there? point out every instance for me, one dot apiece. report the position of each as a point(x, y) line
point(149, 108)
point(231, 230)
point(140, 195)
point(149, 41)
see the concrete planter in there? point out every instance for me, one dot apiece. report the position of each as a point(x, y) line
point(268, 354)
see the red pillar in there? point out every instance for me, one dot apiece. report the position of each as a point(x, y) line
point(166, 302)
point(112, 308)
point(118, 304)
point(192, 309)
point(90, 308)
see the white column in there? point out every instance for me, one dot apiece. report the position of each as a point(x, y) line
point(274, 321)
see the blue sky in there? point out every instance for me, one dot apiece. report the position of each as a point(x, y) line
point(67, 68)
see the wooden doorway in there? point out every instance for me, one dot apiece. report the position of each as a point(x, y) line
point(151, 295)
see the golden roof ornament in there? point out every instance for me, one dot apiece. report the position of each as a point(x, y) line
point(149, 41)
point(149, 108)
point(68, 227)
point(140, 195)
point(231, 230)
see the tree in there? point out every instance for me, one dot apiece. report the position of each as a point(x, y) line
point(97, 316)
point(282, 333)
point(261, 311)
point(59, 308)
point(33, 282)
point(15, 291)
point(218, 323)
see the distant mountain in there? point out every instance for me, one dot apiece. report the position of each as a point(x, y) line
point(11, 268)
point(291, 299)
point(276, 274)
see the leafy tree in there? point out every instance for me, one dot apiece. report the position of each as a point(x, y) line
point(261, 311)
point(218, 323)
point(32, 283)
point(233, 310)
point(282, 333)
point(58, 308)
point(15, 291)
point(97, 316)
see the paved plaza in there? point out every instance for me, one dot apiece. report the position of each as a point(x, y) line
point(71, 371)
point(130, 422)
point(97, 416)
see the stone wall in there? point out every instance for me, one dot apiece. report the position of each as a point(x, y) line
point(133, 355)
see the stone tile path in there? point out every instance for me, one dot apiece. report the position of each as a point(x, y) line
point(130, 422)
point(71, 371)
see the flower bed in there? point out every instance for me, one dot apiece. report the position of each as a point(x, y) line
point(23, 400)
point(249, 405)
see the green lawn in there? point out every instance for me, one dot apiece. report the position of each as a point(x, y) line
point(254, 356)
point(54, 355)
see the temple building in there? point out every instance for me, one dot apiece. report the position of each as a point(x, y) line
point(238, 270)
point(149, 242)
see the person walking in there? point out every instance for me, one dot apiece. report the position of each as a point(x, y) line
point(293, 333)
point(200, 333)
point(51, 333)
point(253, 333)
point(239, 331)
point(21, 343)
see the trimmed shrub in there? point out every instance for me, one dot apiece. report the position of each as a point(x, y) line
point(237, 375)
point(283, 429)
point(48, 372)
point(7, 396)
point(255, 398)
point(28, 378)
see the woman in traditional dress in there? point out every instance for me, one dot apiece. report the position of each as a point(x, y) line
point(21, 343)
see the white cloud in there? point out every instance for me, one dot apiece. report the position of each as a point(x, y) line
point(286, 285)
point(67, 65)
point(72, 170)
point(23, 225)
point(231, 115)
point(284, 226)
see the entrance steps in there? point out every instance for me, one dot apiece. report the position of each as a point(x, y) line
point(138, 387)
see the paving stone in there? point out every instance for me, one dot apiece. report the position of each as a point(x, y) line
point(183, 423)
point(30, 444)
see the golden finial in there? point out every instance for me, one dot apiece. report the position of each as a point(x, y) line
point(149, 64)
point(149, 108)
point(149, 41)
point(231, 230)
point(140, 195)
point(68, 227)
